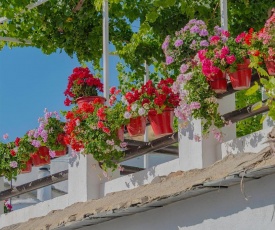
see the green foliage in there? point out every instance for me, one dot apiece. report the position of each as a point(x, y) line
point(59, 26)
point(208, 110)
point(251, 124)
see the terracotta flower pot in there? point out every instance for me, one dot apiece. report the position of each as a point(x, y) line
point(120, 133)
point(81, 100)
point(61, 153)
point(41, 156)
point(241, 79)
point(28, 167)
point(162, 124)
point(137, 126)
point(270, 65)
point(219, 84)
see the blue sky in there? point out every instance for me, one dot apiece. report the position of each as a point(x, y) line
point(31, 81)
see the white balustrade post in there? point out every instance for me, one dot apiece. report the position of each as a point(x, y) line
point(2, 188)
point(44, 193)
point(200, 154)
point(85, 178)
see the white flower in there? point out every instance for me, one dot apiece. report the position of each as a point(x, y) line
point(134, 107)
point(127, 115)
point(141, 111)
point(146, 106)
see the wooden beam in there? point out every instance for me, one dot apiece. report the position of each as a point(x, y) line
point(9, 39)
point(150, 146)
point(241, 114)
point(33, 185)
point(29, 7)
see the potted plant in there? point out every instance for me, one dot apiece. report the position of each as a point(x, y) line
point(93, 129)
point(51, 133)
point(267, 37)
point(15, 158)
point(82, 87)
point(158, 101)
point(36, 137)
point(199, 101)
point(243, 47)
point(216, 59)
point(137, 109)
point(182, 47)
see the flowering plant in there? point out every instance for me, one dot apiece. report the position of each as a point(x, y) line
point(150, 98)
point(217, 56)
point(14, 157)
point(7, 206)
point(267, 34)
point(49, 133)
point(81, 83)
point(93, 129)
point(198, 102)
point(183, 46)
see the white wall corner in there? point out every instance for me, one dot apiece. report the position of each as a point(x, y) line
point(85, 177)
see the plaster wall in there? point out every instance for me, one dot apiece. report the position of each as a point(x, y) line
point(37, 210)
point(140, 178)
point(253, 142)
point(226, 209)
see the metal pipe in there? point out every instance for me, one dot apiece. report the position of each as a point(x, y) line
point(30, 6)
point(241, 114)
point(224, 16)
point(33, 185)
point(106, 50)
point(150, 146)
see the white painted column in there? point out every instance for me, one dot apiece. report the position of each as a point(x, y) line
point(200, 154)
point(44, 193)
point(2, 188)
point(146, 138)
point(85, 178)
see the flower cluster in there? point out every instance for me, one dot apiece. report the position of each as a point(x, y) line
point(93, 129)
point(49, 133)
point(7, 206)
point(81, 83)
point(150, 98)
point(14, 156)
point(183, 46)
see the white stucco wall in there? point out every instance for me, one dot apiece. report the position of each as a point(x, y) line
point(226, 209)
point(37, 210)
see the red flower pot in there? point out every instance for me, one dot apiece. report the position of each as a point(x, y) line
point(137, 126)
point(241, 79)
point(218, 82)
point(162, 124)
point(28, 167)
point(41, 156)
point(219, 85)
point(120, 133)
point(61, 153)
point(270, 65)
point(81, 100)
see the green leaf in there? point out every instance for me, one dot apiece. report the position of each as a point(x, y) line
point(256, 106)
point(152, 16)
point(263, 118)
point(253, 89)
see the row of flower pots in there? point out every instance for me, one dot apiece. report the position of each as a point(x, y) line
point(162, 124)
point(240, 79)
point(41, 157)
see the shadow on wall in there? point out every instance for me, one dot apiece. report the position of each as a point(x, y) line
point(251, 143)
